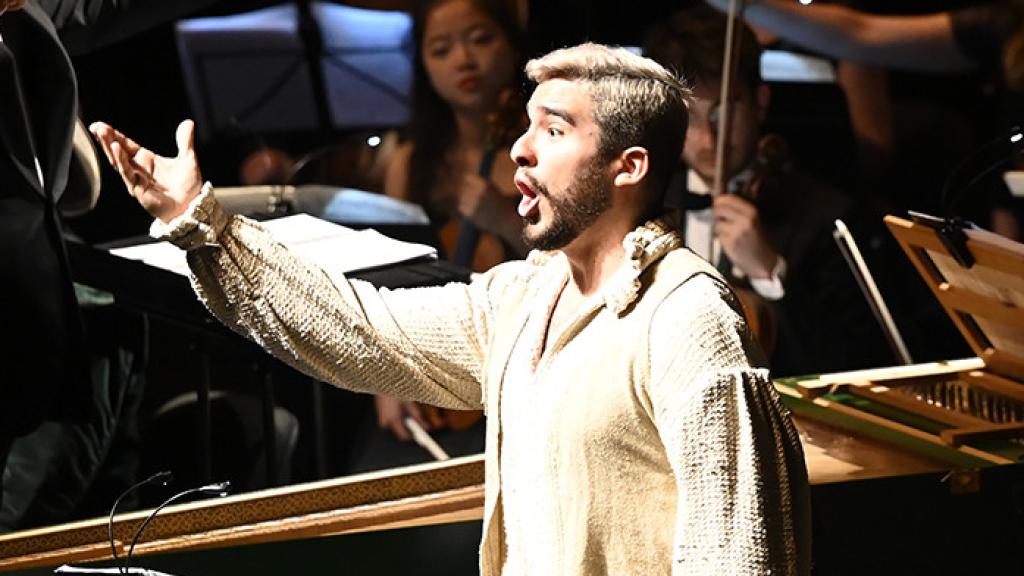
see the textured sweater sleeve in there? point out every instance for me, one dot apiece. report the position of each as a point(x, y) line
point(424, 344)
point(736, 457)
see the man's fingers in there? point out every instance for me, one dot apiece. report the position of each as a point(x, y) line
point(390, 416)
point(185, 137)
point(130, 146)
point(415, 412)
point(115, 158)
point(102, 134)
point(731, 215)
point(734, 204)
point(434, 416)
point(123, 167)
point(130, 172)
point(108, 136)
point(399, 430)
point(99, 129)
point(725, 233)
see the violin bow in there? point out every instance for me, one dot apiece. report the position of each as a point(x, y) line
point(725, 108)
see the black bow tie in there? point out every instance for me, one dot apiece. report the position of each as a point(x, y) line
point(692, 201)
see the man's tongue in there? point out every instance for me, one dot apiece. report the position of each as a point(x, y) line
point(528, 205)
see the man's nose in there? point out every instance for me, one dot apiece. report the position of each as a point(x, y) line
point(521, 152)
point(707, 130)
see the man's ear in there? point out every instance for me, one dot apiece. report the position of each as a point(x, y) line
point(633, 165)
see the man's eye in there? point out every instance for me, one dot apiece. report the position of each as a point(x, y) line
point(554, 131)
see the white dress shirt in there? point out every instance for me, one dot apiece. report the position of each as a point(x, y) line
point(701, 239)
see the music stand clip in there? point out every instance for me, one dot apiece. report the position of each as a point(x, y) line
point(951, 233)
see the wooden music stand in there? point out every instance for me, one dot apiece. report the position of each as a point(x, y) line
point(975, 406)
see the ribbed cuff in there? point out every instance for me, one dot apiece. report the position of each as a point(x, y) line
point(199, 225)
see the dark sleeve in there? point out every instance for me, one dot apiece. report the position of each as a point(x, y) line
point(85, 25)
point(980, 32)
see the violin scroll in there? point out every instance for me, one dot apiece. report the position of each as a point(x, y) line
point(771, 161)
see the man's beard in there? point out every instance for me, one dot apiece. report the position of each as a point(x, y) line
point(587, 197)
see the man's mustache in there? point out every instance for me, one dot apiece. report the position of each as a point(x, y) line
point(536, 186)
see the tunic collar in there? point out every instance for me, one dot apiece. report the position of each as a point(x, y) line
point(644, 245)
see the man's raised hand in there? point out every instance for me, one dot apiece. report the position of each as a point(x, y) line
point(164, 186)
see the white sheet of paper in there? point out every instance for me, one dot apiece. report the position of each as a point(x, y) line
point(335, 249)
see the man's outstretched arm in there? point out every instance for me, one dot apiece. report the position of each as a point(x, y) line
point(922, 42)
point(423, 344)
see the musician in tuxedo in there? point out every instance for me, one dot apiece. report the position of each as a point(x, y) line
point(44, 366)
point(771, 232)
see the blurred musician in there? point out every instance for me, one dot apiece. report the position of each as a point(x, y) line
point(456, 162)
point(772, 232)
point(986, 37)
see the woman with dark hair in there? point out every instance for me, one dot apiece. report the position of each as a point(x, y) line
point(464, 118)
point(456, 163)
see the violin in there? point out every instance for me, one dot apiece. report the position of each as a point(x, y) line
point(469, 246)
point(464, 242)
point(486, 249)
point(772, 156)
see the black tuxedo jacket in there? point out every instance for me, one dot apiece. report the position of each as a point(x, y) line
point(42, 356)
point(823, 323)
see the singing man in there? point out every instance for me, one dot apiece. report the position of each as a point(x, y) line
point(631, 426)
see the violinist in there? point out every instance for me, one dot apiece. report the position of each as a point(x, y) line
point(456, 164)
point(455, 161)
point(769, 233)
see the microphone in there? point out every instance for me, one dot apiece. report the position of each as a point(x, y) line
point(218, 489)
point(1006, 145)
point(164, 478)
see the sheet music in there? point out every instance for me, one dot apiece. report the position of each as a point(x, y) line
point(353, 206)
point(341, 205)
point(335, 249)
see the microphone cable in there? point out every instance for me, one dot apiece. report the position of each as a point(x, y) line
point(163, 478)
point(218, 489)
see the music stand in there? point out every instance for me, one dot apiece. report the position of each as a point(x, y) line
point(302, 67)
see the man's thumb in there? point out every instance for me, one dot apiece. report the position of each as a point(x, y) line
point(185, 136)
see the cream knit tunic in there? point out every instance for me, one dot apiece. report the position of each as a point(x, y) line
point(640, 442)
